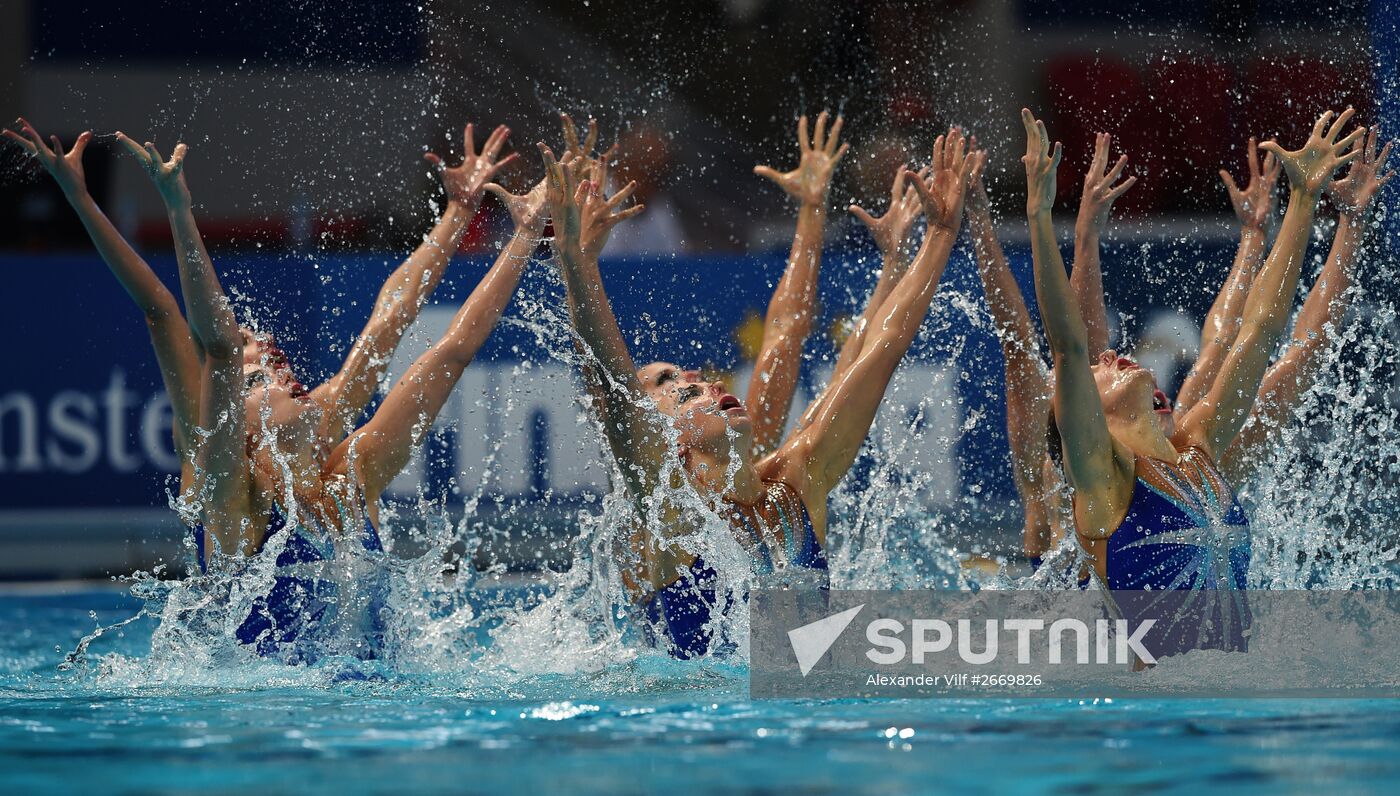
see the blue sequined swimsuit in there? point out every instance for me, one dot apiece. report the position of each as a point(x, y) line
point(287, 617)
point(681, 611)
point(1184, 531)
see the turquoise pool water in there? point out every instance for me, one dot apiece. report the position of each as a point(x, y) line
point(651, 725)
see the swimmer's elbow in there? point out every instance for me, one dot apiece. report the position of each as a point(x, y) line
point(1262, 327)
point(1068, 337)
point(224, 349)
point(792, 328)
point(1075, 349)
point(224, 341)
point(1259, 337)
point(158, 312)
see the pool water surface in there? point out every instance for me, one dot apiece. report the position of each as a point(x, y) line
point(646, 726)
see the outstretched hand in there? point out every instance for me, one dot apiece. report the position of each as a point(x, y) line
point(465, 183)
point(168, 175)
point(1099, 190)
point(66, 168)
point(1256, 203)
point(572, 147)
point(1310, 169)
point(527, 210)
point(891, 230)
point(944, 190)
point(809, 182)
point(978, 202)
point(583, 217)
point(1041, 164)
point(1354, 192)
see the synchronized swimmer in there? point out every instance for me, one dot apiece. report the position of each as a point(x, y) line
point(1097, 447)
point(1039, 477)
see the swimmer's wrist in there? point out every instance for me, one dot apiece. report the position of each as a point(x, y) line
point(894, 261)
point(1350, 217)
point(78, 196)
point(577, 261)
point(979, 212)
point(812, 210)
point(461, 210)
point(1088, 225)
point(525, 237)
point(1302, 194)
point(939, 228)
point(74, 190)
point(176, 206)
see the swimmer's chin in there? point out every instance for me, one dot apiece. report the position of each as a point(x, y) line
point(739, 420)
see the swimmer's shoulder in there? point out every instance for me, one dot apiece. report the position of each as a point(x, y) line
point(784, 467)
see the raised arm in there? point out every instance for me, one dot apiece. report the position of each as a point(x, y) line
point(583, 219)
point(210, 313)
point(581, 160)
point(826, 448)
point(170, 335)
point(376, 453)
point(1094, 206)
point(403, 295)
point(1027, 387)
point(1214, 422)
point(221, 457)
point(891, 234)
point(1314, 331)
point(789, 318)
point(636, 433)
point(1098, 467)
point(1255, 207)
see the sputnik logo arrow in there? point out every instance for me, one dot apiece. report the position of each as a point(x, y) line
point(811, 641)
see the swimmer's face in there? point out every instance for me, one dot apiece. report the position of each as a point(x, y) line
point(270, 386)
point(705, 413)
point(1129, 393)
point(276, 392)
point(256, 345)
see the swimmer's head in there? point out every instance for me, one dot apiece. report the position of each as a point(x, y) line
point(704, 412)
point(1129, 394)
point(271, 390)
